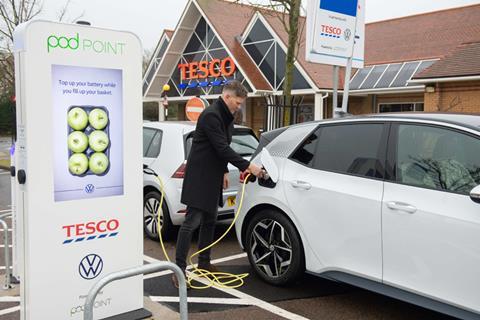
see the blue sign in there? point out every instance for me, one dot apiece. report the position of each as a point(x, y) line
point(90, 267)
point(348, 7)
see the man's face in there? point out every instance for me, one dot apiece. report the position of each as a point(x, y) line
point(233, 102)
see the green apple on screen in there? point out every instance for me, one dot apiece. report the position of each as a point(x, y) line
point(77, 118)
point(98, 163)
point(78, 163)
point(98, 118)
point(98, 140)
point(77, 141)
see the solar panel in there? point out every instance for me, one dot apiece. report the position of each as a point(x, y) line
point(423, 65)
point(373, 77)
point(405, 74)
point(359, 77)
point(388, 75)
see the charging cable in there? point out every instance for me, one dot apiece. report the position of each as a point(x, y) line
point(215, 279)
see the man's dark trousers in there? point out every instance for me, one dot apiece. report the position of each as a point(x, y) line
point(196, 218)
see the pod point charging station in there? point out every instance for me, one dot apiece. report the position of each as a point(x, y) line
point(79, 169)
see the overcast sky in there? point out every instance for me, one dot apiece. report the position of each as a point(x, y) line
point(147, 18)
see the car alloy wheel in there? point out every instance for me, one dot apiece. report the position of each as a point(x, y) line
point(152, 212)
point(274, 248)
point(271, 248)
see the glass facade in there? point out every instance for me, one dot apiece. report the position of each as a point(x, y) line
point(156, 62)
point(203, 46)
point(270, 58)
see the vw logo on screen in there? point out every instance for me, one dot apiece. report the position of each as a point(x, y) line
point(90, 267)
point(89, 188)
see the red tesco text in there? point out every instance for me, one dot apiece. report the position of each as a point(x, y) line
point(331, 30)
point(82, 229)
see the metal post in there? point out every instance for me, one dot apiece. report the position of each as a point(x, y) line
point(346, 88)
point(149, 268)
point(7, 253)
point(336, 70)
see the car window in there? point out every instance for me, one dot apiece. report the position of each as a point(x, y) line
point(304, 153)
point(154, 149)
point(147, 139)
point(244, 143)
point(350, 149)
point(437, 158)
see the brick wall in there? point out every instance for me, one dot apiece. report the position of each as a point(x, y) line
point(454, 97)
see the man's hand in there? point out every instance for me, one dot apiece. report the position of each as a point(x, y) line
point(226, 183)
point(255, 170)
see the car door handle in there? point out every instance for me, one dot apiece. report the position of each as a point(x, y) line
point(301, 185)
point(400, 206)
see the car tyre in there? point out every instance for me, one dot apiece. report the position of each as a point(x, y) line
point(274, 248)
point(151, 201)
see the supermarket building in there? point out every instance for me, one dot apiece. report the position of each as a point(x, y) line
point(427, 62)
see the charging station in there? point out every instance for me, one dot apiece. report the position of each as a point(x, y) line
point(78, 169)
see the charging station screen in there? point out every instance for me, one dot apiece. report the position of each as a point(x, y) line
point(87, 133)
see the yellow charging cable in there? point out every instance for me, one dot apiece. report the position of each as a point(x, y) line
point(215, 279)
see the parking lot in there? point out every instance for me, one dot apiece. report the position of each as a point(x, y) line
point(310, 298)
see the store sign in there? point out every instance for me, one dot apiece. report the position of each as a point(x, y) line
point(331, 25)
point(204, 69)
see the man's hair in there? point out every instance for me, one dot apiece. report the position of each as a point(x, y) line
point(235, 88)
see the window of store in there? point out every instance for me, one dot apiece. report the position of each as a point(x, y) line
point(203, 46)
point(400, 107)
point(269, 57)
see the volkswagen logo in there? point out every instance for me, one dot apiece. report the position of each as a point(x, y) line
point(89, 188)
point(347, 34)
point(90, 267)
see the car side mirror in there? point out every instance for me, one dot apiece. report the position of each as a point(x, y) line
point(475, 194)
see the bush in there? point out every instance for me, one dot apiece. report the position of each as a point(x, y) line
point(7, 116)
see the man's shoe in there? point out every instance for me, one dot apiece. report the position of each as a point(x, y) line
point(176, 283)
point(209, 267)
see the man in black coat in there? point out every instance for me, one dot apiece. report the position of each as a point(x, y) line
point(206, 173)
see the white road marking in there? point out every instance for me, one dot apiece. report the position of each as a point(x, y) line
point(5, 211)
point(10, 299)
point(251, 299)
point(4, 173)
point(231, 301)
point(3, 246)
point(9, 310)
point(10, 230)
point(3, 268)
point(162, 273)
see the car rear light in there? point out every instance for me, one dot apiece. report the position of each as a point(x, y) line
point(180, 172)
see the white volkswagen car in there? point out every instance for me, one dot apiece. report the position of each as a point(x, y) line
point(166, 146)
point(390, 203)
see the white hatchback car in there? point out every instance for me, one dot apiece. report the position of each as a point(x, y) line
point(385, 202)
point(166, 146)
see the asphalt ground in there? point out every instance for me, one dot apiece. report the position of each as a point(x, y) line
point(310, 298)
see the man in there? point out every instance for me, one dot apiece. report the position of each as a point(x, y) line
point(206, 173)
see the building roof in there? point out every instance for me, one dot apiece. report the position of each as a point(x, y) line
point(229, 20)
point(461, 62)
point(421, 37)
point(434, 35)
point(169, 33)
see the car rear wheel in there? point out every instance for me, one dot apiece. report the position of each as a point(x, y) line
point(151, 212)
point(274, 248)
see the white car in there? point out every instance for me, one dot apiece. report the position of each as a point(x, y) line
point(389, 203)
point(166, 146)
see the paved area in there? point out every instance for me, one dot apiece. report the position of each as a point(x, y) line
point(5, 144)
point(310, 298)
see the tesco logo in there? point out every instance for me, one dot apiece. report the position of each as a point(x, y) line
point(329, 31)
point(91, 230)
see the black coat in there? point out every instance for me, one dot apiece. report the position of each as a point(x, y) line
point(208, 159)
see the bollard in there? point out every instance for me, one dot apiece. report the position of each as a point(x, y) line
point(149, 268)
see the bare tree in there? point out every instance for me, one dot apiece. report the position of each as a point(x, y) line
point(288, 13)
point(13, 13)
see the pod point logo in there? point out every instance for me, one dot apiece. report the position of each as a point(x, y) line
point(347, 34)
point(77, 43)
point(90, 267)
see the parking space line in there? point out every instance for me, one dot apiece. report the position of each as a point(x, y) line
point(248, 298)
point(4, 172)
point(9, 310)
point(3, 268)
point(162, 273)
point(3, 246)
point(230, 301)
point(10, 299)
